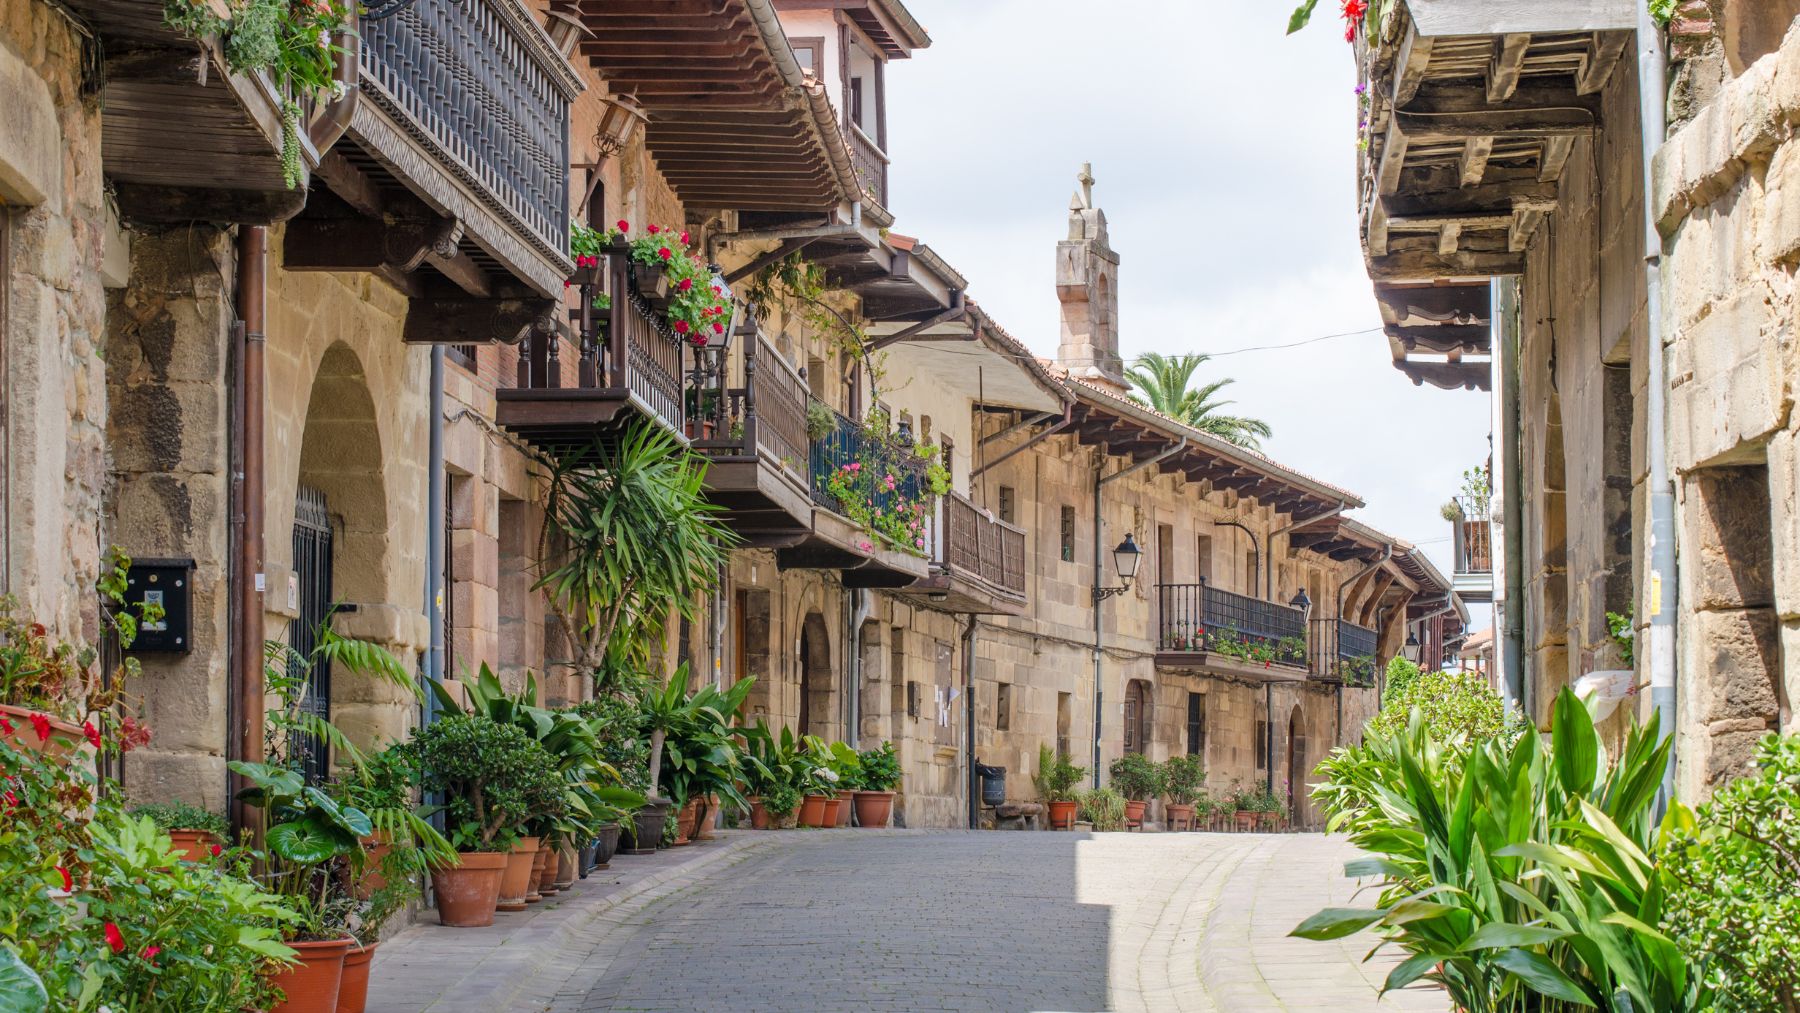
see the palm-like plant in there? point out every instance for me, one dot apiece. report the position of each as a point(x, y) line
point(1165, 383)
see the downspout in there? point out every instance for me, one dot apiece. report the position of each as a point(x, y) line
point(968, 646)
point(1652, 93)
point(1509, 620)
point(1099, 631)
point(334, 118)
point(1068, 419)
point(1269, 558)
point(859, 612)
point(247, 738)
point(434, 536)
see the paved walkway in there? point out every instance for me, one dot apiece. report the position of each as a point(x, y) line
point(859, 920)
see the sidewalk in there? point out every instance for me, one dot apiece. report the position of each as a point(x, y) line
point(525, 959)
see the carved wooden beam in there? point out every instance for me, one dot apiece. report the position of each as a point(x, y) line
point(469, 321)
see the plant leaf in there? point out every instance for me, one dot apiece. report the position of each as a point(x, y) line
point(1542, 976)
point(1301, 16)
point(1337, 922)
point(21, 990)
point(1498, 935)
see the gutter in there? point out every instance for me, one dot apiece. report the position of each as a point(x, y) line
point(968, 645)
point(246, 739)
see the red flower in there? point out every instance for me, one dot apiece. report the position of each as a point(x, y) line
point(718, 291)
point(92, 733)
point(624, 226)
point(6, 726)
point(565, 284)
point(150, 952)
point(685, 284)
point(1350, 32)
point(718, 328)
point(653, 229)
point(115, 938)
point(41, 725)
point(216, 850)
point(681, 327)
point(665, 253)
point(685, 240)
point(68, 880)
point(12, 801)
point(133, 733)
point(1354, 9)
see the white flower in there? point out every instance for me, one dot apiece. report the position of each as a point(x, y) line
point(324, 38)
point(338, 90)
point(828, 773)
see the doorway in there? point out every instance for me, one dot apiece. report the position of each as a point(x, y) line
point(312, 572)
point(815, 678)
point(1296, 755)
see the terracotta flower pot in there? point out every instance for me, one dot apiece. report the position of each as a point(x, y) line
point(874, 808)
point(684, 822)
point(1134, 813)
point(468, 891)
point(376, 846)
point(65, 738)
point(1270, 822)
point(1181, 817)
point(194, 845)
point(353, 994)
point(546, 884)
point(846, 804)
point(537, 873)
point(605, 844)
point(812, 811)
point(567, 869)
point(1246, 821)
point(759, 817)
point(703, 824)
point(833, 806)
point(1062, 815)
point(312, 983)
point(516, 881)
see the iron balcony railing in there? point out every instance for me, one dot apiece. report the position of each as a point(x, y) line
point(848, 451)
point(1200, 618)
point(1472, 535)
point(982, 545)
point(466, 79)
point(628, 349)
point(1343, 650)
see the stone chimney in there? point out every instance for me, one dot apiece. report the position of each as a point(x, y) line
point(1087, 284)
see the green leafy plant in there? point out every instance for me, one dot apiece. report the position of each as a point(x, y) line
point(1733, 874)
point(1183, 777)
point(1136, 777)
point(1401, 674)
point(880, 768)
point(698, 749)
point(1623, 633)
point(1057, 776)
point(821, 421)
point(494, 778)
point(781, 801)
point(1451, 703)
point(1103, 807)
point(169, 816)
point(381, 786)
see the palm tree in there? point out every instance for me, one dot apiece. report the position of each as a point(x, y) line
point(1164, 383)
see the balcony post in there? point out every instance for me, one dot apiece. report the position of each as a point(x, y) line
point(749, 444)
point(618, 369)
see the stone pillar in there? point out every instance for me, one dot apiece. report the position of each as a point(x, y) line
point(1087, 285)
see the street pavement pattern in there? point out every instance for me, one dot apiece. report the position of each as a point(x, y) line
point(819, 922)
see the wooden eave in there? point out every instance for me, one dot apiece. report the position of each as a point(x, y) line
point(834, 542)
point(732, 121)
point(953, 589)
point(889, 26)
point(761, 499)
point(1473, 112)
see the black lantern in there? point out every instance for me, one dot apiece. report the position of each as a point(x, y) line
point(1414, 650)
point(1303, 603)
point(1126, 557)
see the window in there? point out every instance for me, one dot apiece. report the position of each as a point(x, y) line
point(912, 700)
point(948, 455)
point(1068, 534)
point(1249, 586)
point(1137, 716)
point(1065, 708)
point(1262, 744)
point(856, 101)
point(1196, 724)
point(1003, 708)
point(810, 54)
point(1006, 504)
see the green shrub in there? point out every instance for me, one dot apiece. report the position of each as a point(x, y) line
point(1136, 777)
point(880, 769)
point(1057, 776)
point(1454, 705)
point(1103, 807)
point(1401, 674)
point(1734, 884)
point(181, 816)
point(494, 778)
point(1184, 776)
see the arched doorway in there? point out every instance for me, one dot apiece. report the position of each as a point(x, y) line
point(1296, 758)
point(815, 677)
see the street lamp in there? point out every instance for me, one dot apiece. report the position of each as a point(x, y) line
point(1303, 603)
point(1126, 557)
point(1414, 650)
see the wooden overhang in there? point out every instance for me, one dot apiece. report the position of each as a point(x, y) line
point(182, 137)
point(732, 120)
point(760, 477)
point(834, 542)
point(1473, 110)
point(462, 208)
point(1215, 664)
point(1407, 577)
point(887, 23)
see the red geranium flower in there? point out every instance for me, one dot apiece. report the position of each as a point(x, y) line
point(115, 938)
point(216, 850)
point(6, 726)
point(150, 952)
point(653, 229)
point(68, 880)
point(685, 284)
point(665, 253)
point(41, 725)
point(718, 328)
point(12, 801)
point(92, 733)
point(685, 240)
point(681, 327)
point(624, 226)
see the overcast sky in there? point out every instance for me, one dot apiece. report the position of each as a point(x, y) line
point(1223, 153)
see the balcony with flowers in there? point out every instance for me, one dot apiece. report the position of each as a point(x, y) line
point(1203, 627)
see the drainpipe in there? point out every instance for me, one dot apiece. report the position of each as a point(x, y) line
point(968, 646)
point(1269, 560)
point(1652, 93)
point(858, 613)
point(247, 721)
point(434, 535)
point(1254, 547)
point(346, 76)
point(1509, 619)
point(1099, 631)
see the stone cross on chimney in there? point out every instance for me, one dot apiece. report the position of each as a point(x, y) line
point(1087, 284)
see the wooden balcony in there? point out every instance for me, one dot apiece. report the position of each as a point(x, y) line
point(1343, 652)
point(978, 562)
point(761, 476)
point(1472, 539)
point(1205, 628)
point(871, 165)
point(836, 542)
point(627, 364)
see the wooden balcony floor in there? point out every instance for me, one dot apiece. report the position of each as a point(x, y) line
point(1203, 662)
point(563, 416)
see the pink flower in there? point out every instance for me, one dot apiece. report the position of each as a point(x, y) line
point(653, 229)
point(114, 938)
point(855, 465)
point(68, 880)
point(920, 542)
point(41, 725)
point(865, 546)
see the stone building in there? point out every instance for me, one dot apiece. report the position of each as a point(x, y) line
point(333, 398)
point(1504, 221)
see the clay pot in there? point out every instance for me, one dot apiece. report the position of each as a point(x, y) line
point(531, 878)
point(684, 822)
point(546, 884)
point(1062, 815)
point(1270, 822)
point(1246, 821)
point(703, 824)
point(376, 847)
point(568, 869)
point(647, 824)
point(874, 808)
point(311, 984)
point(516, 881)
point(1181, 817)
point(1134, 813)
point(65, 738)
point(194, 845)
point(833, 806)
point(353, 994)
point(759, 817)
point(812, 811)
point(468, 891)
point(605, 845)
point(846, 804)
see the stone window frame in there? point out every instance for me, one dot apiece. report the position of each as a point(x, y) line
point(1068, 534)
point(1002, 707)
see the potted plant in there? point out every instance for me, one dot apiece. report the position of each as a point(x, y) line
point(1059, 777)
point(877, 780)
point(1245, 804)
point(1271, 814)
point(1183, 777)
point(1104, 808)
point(821, 805)
point(1139, 780)
point(493, 777)
point(198, 834)
point(383, 785)
point(782, 803)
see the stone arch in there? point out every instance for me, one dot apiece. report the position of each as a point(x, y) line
point(817, 696)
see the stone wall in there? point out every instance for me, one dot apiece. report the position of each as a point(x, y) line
point(54, 211)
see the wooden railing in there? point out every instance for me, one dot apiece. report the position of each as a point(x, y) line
point(1205, 619)
point(871, 165)
point(470, 80)
point(628, 348)
point(1473, 537)
point(1339, 649)
point(775, 407)
point(983, 546)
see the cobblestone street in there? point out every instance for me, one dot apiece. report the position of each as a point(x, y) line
point(951, 921)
